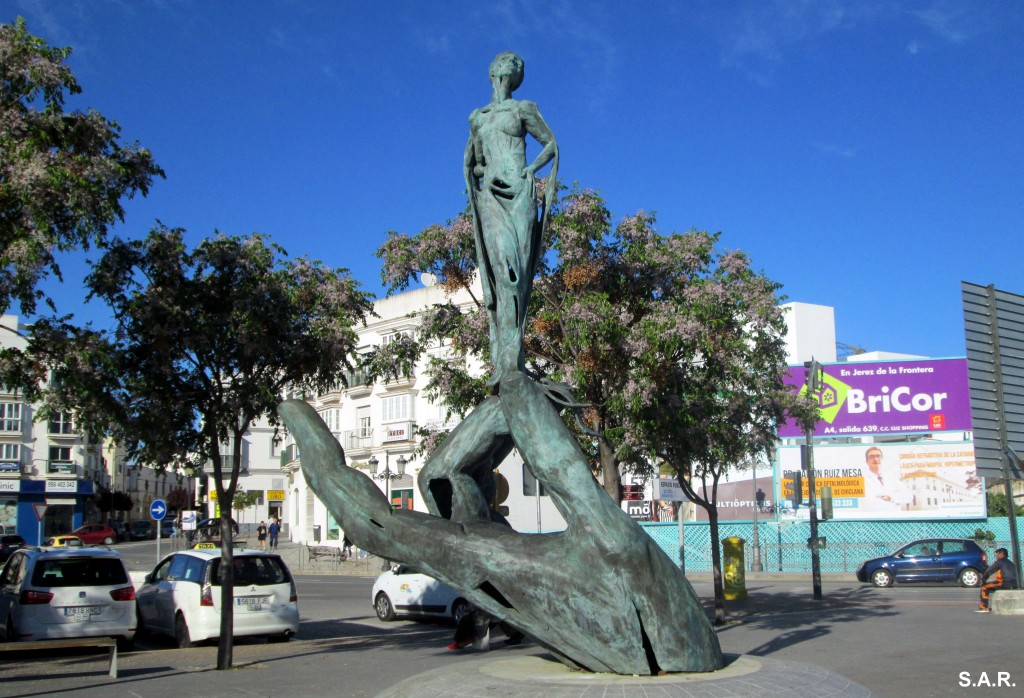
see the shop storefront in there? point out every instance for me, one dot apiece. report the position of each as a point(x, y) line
point(38, 509)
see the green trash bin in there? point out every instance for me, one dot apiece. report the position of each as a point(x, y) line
point(734, 568)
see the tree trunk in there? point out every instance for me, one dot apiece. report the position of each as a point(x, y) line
point(225, 497)
point(610, 470)
point(716, 565)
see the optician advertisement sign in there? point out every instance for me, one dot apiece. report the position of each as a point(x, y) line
point(888, 397)
point(739, 494)
point(889, 481)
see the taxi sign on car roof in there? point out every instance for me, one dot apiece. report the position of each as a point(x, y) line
point(216, 544)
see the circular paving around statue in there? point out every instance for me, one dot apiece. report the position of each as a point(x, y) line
point(744, 675)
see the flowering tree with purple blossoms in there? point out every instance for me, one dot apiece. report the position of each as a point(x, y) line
point(205, 343)
point(63, 175)
point(706, 375)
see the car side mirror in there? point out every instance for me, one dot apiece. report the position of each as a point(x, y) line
point(148, 579)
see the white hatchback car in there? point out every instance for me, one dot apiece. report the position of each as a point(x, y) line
point(181, 597)
point(404, 590)
point(66, 593)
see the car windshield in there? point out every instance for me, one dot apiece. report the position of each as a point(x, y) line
point(255, 569)
point(78, 572)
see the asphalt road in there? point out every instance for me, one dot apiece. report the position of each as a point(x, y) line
point(911, 640)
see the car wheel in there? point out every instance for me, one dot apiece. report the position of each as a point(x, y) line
point(881, 578)
point(282, 637)
point(970, 577)
point(108, 541)
point(459, 610)
point(181, 636)
point(125, 644)
point(382, 605)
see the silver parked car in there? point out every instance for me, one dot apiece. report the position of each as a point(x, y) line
point(66, 593)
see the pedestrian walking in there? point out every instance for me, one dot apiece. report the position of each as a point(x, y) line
point(274, 531)
point(261, 535)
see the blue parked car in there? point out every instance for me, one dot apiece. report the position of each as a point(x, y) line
point(928, 560)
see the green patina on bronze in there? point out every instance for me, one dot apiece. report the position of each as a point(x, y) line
point(601, 595)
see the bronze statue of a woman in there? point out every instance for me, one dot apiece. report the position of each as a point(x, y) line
point(503, 195)
point(601, 594)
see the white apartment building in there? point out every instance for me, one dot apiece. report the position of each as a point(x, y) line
point(260, 473)
point(49, 470)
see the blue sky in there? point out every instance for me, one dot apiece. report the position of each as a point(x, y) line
point(865, 154)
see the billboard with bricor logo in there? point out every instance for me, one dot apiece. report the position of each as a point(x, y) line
point(887, 398)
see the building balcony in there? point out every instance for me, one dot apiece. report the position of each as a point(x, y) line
point(400, 382)
point(357, 440)
point(358, 383)
point(289, 455)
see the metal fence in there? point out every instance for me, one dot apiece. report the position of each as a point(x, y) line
point(848, 543)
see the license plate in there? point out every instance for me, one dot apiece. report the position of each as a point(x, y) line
point(77, 613)
point(251, 603)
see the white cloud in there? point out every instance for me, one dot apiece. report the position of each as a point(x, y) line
point(954, 22)
point(833, 149)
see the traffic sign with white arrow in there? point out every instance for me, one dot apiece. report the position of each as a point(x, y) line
point(158, 509)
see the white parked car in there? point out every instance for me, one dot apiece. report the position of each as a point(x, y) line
point(66, 593)
point(403, 590)
point(181, 597)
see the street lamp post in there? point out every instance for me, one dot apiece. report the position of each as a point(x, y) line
point(755, 565)
point(387, 476)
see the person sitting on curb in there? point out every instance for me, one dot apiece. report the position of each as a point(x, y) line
point(1005, 577)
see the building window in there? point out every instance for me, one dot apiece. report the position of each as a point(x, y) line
point(10, 453)
point(10, 416)
point(395, 408)
point(62, 423)
point(275, 448)
point(332, 418)
point(392, 336)
point(60, 454)
point(365, 427)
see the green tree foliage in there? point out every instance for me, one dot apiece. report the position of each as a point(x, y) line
point(63, 175)
point(243, 500)
point(997, 505)
point(108, 501)
point(205, 343)
point(708, 376)
point(121, 501)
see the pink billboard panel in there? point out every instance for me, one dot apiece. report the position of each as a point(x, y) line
point(887, 398)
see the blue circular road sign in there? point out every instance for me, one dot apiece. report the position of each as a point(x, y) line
point(158, 509)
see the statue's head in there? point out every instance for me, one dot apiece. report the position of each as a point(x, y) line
point(508, 64)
